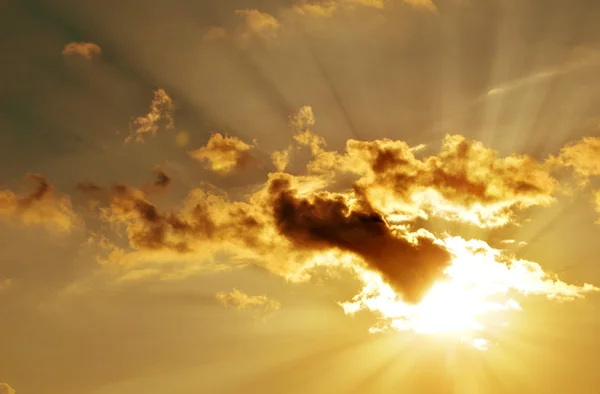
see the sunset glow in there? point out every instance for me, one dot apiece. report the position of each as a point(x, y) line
point(479, 282)
point(300, 197)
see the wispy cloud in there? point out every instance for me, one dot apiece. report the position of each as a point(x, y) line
point(243, 302)
point(160, 113)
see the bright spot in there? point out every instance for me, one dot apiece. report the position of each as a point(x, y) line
point(479, 282)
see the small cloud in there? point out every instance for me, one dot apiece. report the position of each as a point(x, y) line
point(6, 389)
point(41, 206)
point(303, 120)
point(243, 302)
point(161, 112)
point(513, 242)
point(259, 23)
point(86, 49)
point(281, 159)
point(320, 9)
point(224, 154)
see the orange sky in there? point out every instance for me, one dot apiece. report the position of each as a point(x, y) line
point(288, 196)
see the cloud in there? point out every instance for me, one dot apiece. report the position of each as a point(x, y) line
point(41, 206)
point(281, 159)
point(224, 154)
point(161, 113)
point(464, 172)
point(243, 302)
point(259, 24)
point(292, 224)
point(328, 8)
point(480, 281)
point(87, 50)
point(327, 221)
point(324, 9)
point(465, 181)
point(149, 228)
point(580, 58)
point(6, 389)
point(582, 156)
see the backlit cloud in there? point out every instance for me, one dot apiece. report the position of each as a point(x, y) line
point(40, 206)
point(479, 282)
point(243, 302)
point(281, 159)
point(85, 49)
point(295, 216)
point(583, 157)
point(292, 224)
point(465, 181)
point(224, 154)
point(259, 23)
point(322, 9)
point(160, 114)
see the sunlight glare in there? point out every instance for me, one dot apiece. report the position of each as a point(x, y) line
point(480, 280)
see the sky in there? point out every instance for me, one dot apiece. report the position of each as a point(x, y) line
point(290, 196)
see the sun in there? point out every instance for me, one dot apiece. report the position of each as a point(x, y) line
point(480, 282)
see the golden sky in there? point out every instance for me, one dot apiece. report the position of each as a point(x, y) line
point(299, 196)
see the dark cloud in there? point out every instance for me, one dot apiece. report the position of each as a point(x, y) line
point(326, 221)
